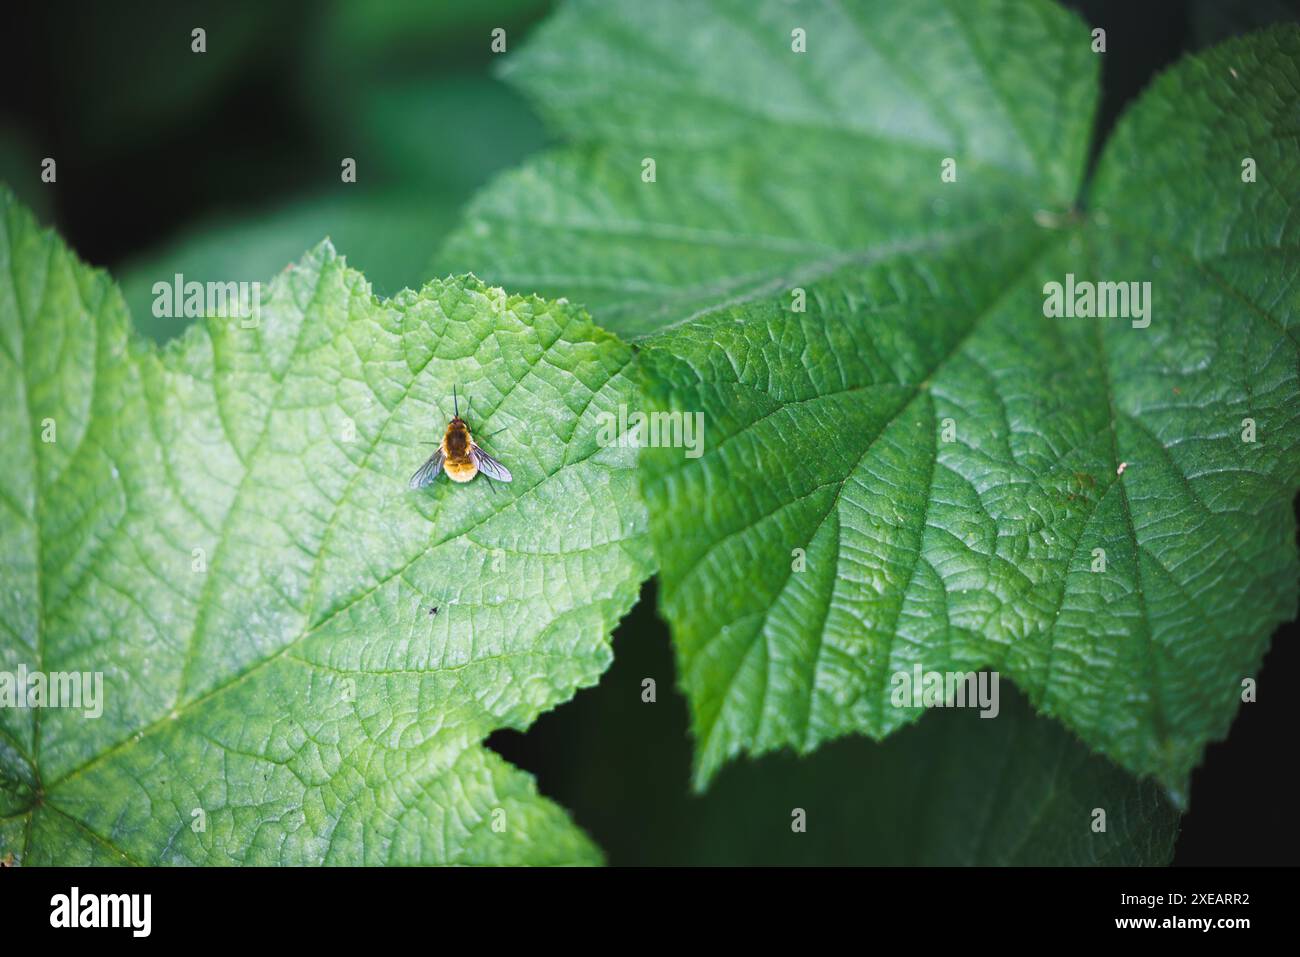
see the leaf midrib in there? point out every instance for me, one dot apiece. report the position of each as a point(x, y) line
point(204, 602)
point(706, 734)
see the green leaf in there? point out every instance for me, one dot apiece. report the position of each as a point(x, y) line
point(825, 429)
point(285, 687)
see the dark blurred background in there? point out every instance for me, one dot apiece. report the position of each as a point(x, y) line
point(227, 164)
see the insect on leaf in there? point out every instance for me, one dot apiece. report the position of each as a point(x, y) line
point(223, 531)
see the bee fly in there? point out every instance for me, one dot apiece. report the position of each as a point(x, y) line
point(459, 456)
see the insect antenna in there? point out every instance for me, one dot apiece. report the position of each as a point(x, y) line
point(456, 401)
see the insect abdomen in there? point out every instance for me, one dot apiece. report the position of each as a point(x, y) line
point(460, 469)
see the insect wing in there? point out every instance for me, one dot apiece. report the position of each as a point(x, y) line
point(429, 471)
point(490, 466)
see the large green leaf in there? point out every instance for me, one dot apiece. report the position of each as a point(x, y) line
point(287, 681)
point(825, 429)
